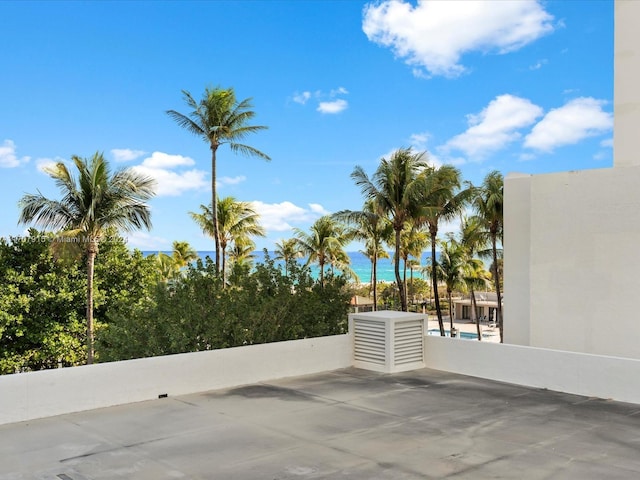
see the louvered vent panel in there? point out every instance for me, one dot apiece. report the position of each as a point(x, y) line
point(369, 341)
point(408, 338)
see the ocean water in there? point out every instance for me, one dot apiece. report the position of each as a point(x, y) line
point(360, 264)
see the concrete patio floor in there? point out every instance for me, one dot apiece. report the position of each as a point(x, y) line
point(344, 424)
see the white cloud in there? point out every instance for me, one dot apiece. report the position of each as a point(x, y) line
point(302, 98)
point(165, 160)
point(283, 216)
point(495, 126)
point(432, 36)
point(419, 140)
point(145, 241)
point(173, 184)
point(317, 208)
point(607, 142)
point(538, 65)
point(335, 106)
point(525, 157)
point(43, 164)
point(170, 183)
point(8, 157)
point(418, 143)
point(576, 120)
point(327, 102)
point(231, 180)
point(338, 91)
point(126, 154)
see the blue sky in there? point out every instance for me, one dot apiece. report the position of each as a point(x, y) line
point(520, 86)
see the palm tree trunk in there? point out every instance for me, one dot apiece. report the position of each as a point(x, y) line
point(396, 261)
point(450, 314)
point(474, 313)
point(223, 255)
point(92, 251)
point(404, 281)
point(214, 205)
point(496, 276)
point(374, 282)
point(434, 276)
point(413, 292)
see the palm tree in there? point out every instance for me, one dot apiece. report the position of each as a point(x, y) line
point(472, 239)
point(450, 270)
point(90, 204)
point(241, 252)
point(339, 259)
point(325, 239)
point(475, 277)
point(374, 252)
point(287, 251)
point(488, 203)
point(395, 189)
point(374, 229)
point(236, 221)
point(412, 264)
point(218, 118)
point(183, 254)
point(414, 242)
point(166, 267)
point(441, 200)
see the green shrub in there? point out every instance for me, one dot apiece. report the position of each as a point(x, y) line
point(198, 312)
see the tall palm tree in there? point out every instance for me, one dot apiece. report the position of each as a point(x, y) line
point(441, 200)
point(90, 204)
point(473, 239)
point(488, 204)
point(218, 118)
point(237, 220)
point(325, 239)
point(450, 270)
point(287, 251)
point(475, 277)
point(395, 190)
point(414, 241)
point(374, 229)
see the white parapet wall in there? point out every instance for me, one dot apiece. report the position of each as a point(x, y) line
point(571, 262)
point(31, 395)
point(577, 373)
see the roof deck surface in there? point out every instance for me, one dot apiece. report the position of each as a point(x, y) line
point(345, 424)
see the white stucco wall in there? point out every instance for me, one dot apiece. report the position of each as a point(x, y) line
point(577, 373)
point(26, 396)
point(572, 263)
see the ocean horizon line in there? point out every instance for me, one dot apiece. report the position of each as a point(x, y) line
point(359, 263)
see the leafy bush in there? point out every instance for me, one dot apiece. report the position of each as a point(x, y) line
point(41, 314)
point(43, 299)
point(198, 312)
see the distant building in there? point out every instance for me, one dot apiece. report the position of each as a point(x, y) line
point(486, 307)
point(361, 304)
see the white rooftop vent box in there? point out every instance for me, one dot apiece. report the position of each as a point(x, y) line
point(388, 341)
